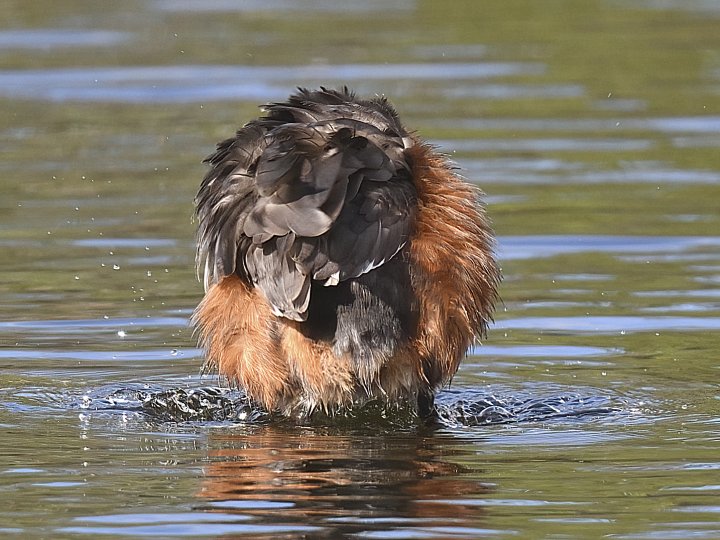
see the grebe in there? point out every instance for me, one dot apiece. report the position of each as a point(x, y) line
point(343, 259)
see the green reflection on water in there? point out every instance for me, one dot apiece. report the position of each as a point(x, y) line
point(75, 175)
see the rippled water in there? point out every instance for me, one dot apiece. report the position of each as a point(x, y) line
point(592, 408)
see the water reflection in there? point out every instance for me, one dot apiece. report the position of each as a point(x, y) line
point(52, 38)
point(590, 411)
point(299, 7)
point(534, 246)
point(189, 83)
point(615, 324)
point(345, 484)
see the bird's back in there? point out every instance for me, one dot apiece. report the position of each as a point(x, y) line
point(314, 253)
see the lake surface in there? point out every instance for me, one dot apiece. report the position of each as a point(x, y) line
point(593, 407)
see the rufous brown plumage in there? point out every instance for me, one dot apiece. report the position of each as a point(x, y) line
point(343, 259)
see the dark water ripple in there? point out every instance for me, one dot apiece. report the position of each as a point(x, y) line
point(215, 404)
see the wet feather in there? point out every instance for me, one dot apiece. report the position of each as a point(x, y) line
point(343, 259)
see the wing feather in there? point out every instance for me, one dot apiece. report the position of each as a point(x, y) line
point(317, 190)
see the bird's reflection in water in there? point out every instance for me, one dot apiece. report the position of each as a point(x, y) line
point(342, 483)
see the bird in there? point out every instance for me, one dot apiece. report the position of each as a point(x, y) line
point(344, 259)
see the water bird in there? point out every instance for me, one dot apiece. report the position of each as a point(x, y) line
point(344, 260)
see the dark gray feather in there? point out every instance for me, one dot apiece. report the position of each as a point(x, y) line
point(317, 190)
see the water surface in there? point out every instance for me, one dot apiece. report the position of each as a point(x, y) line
point(591, 409)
